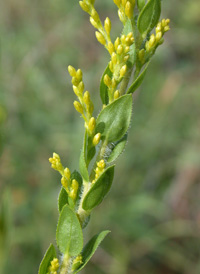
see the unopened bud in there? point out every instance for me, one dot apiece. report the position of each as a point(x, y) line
point(107, 25)
point(100, 38)
point(96, 139)
point(78, 107)
point(72, 71)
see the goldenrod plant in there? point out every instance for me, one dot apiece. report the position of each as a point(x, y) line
point(105, 135)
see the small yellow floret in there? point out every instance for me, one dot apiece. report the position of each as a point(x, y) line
point(116, 94)
point(67, 173)
point(84, 6)
point(92, 124)
point(78, 107)
point(107, 25)
point(54, 266)
point(129, 10)
point(107, 80)
point(96, 139)
point(101, 164)
point(100, 38)
point(117, 2)
point(123, 71)
point(72, 71)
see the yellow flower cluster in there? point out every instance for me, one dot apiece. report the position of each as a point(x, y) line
point(77, 261)
point(84, 105)
point(154, 41)
point(71, 186)
point(54, 266)
point(119, 52)
point(126, 8)
point(99, 169)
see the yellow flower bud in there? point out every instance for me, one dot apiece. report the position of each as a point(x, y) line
point(107, 25)
point(54, 265)
point(94, 23)
point(119, 49)
point(86, 98)
point(100, 38)
point(96, 139)
point(72, 71)
point(117, 43)
point(84, 6)
point(123, 71)
point(76, 90)
point(129, 10)
point(166, 28)
point(101, 164)
point(158, 36)
point(75, 81)
point(116, 94)
point(92, 124)
point(74, 185)
point(67, 173)
point(111, 66)
point(110, 47)
point(64, 183)
point(78, 107)
point(95, 15)
point(114, 58)
point(123, 39)
point(81, 87)
point(127, 49)
point(107, 80)
point(79, 75)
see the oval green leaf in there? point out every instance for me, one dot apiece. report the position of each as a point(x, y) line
point(90, 248)
point(114, 120)
point(69, 234)
point(149, 16)
point(138, 81)
point(116, 149)
point(104, 88)
point(98, 191)
point(48, 257)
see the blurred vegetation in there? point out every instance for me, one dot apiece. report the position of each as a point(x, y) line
point(153, 209)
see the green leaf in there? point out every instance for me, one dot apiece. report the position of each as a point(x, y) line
point(90, 248)
point(48, 257)
point(149, 16)
point(82, 161)
point(127, 29)
point(98, 191)
point(69, 234)
point(117, 148)
point(62, 199)
point(138, 81)
point(104, 88)
point(113, 121)
point(141, 4)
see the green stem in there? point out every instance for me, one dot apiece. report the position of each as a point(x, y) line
point(125, 81)
point(66, 265)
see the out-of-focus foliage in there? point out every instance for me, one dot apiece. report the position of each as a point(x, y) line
point(153, 209)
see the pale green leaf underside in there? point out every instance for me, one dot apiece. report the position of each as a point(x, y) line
point(113, 121)
point(69, 235)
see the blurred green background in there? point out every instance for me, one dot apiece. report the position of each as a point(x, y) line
point(153, 209)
